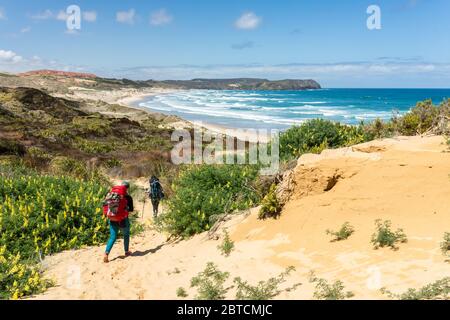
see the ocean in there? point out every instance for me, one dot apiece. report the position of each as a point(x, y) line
point(282, 109)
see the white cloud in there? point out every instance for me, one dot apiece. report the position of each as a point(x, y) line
point(25, 30)
point(160, 17)
point(2, 14)
point(44, 15)
point(14, 63)
point(126, 16)
point(248, 20)
point(62, 16)
point(9, 57)
point(90, 16)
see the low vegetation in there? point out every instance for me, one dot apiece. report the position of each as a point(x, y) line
point(210, 283)
point(41, 215)
point(203, 192)
point(264, 290)
point(181, 292)
point(40, 129)
point(226, 246)
point(343, 233)
point(315, 135)
point(438, 290)
point(385, 237)
point(326, 291)
point(270, 206)
point(445, 245)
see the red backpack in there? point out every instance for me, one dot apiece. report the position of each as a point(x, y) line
point(115, 204)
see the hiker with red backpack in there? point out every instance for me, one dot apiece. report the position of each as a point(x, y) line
point(116, 207)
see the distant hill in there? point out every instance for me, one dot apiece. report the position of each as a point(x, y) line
point(35, 78)
point(59, 73)
point(245, 84)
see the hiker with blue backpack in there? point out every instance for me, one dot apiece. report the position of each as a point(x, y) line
point(156, 194)
point(116, 207)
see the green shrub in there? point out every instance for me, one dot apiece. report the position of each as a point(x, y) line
point(75, 168)
point(227, 245)
point(149, 143)
point(379, 129)
point(210, 283)
point(326, 291)
point(344, 232)
point(59, 134)
point(264, 290)
point(385, 237)
point(94, 147)
point(181, 293)
point(270, 206)
point(317, 134)
point(113, 163)
point(201, 192)
point(18, 278)
point(419, 119)
point(8, 147)
point(41, 215)
point(439, 290)
point(37, 158)
point(445, 245)
point(92, 126)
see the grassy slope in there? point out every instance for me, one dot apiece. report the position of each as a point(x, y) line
point(38, 128)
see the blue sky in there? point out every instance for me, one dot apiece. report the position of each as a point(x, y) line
point(326, 40)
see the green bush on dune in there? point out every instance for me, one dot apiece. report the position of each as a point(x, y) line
point(270, 206)
point(40, 215)
point(201, 192)
point(315, 135)
point(438, 290)
point(210, 283)
point(385, 237)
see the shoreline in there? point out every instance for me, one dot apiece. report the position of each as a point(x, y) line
point(133, 101)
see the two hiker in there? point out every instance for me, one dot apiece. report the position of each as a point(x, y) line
point(117, 206)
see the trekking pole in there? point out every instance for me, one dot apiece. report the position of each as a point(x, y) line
point(143, 205)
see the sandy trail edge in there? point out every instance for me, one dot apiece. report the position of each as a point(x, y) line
point(405, 180)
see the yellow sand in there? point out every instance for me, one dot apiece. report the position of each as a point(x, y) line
point(405, 180)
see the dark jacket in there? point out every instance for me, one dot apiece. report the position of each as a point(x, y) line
point(159, 194)
point(130, 206)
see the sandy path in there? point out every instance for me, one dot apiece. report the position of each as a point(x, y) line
point(404, 180)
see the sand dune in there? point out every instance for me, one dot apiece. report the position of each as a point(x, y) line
point(405, 180)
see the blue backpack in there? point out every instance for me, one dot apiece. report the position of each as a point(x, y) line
point(156, 191)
